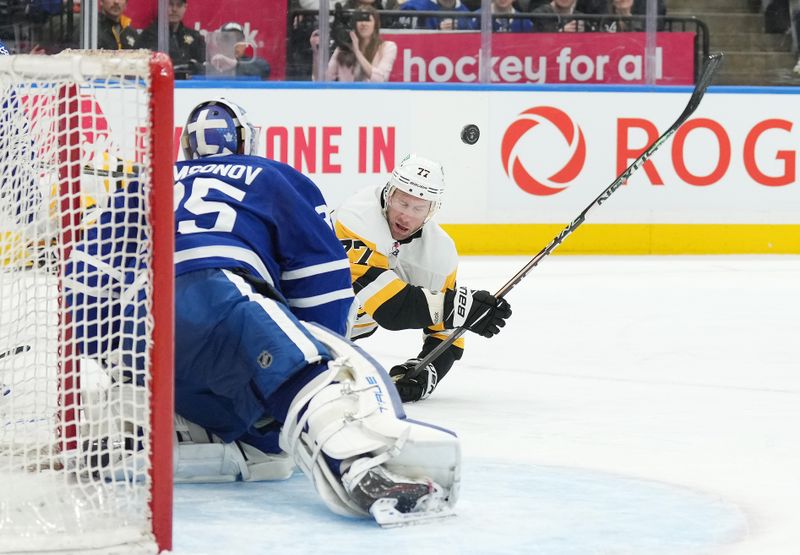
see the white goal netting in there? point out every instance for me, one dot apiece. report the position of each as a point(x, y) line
point(77, 326)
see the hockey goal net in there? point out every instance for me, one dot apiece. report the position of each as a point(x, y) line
point(86, 302)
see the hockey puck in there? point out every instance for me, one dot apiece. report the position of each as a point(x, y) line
point(470, 134)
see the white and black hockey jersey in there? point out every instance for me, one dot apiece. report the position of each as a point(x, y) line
point(388, 275)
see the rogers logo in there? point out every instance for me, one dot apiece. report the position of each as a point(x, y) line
point(523, 175)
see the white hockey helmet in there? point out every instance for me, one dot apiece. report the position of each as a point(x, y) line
point(218, 127)
point(420, 177)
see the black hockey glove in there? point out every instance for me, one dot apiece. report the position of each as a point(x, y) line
point(417, 388)
point(478, 311)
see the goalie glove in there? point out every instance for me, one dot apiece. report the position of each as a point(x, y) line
point(476, 310)
point(417, 388)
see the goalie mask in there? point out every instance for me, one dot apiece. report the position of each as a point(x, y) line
point(216, 128)
point(419, 177)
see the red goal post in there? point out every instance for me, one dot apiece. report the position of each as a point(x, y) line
point(86, 347)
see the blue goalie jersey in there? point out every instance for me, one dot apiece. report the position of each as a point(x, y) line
point(105, 282)
point(264, 218)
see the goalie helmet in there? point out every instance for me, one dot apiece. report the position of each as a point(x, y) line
point(419, 177)
point(216, 128)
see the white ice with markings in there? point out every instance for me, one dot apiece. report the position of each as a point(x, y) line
point(636, 405)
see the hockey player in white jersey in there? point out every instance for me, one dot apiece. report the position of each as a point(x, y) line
point(264, 378)
point(403, 267)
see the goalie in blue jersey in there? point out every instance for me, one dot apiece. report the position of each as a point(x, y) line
point(264, 378)
point(263, 298)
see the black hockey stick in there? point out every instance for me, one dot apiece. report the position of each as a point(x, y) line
point(15, 351)
point(712, 63)
point(119, 173)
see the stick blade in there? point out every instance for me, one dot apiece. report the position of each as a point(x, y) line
point(710, 68)
point(712, 63)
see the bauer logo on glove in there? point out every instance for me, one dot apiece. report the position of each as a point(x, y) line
point(476, 310)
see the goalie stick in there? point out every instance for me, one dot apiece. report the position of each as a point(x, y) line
point(712, 63)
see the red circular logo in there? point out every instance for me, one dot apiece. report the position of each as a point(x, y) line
point(514, 167)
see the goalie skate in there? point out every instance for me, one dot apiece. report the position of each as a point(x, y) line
point(395, 501)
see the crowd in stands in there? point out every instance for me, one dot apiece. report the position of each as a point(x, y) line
point(374, 62)
point(47, 26)
point(516, 9)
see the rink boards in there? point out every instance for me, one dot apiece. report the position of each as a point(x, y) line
point(725, 183)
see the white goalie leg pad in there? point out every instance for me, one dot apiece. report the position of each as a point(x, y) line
point(207, 463)
point(352, 413)
point(110, 430)
point(201, 457)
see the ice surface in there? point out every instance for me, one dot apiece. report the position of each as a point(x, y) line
point(636, 405)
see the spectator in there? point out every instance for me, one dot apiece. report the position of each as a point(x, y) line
point(298, 51)
point(619, 12)
point(445, 24)
point(114, 31)
point(238, 56)
point(562, 23)
point(367, 57)
point(600, 7)
point(505, 24)
point(187, 47)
